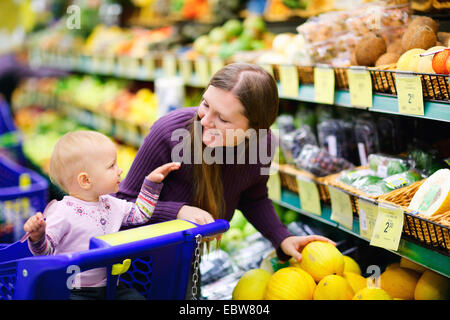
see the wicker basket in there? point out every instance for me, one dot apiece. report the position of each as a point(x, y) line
point(341, 79)
point(383, 80)
point(431, 231)
point(288, 174)
point(306, 74)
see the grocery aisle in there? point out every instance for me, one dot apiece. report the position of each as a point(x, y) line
point(363, 155)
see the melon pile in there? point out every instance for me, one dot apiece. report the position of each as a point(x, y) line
point(326, 274)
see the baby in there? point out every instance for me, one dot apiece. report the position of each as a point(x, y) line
point(84, 164)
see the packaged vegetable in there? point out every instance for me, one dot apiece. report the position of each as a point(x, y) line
point(366, 136)
point(319, 162)
point(333, 138)
point(385, 165)
point(293, 142)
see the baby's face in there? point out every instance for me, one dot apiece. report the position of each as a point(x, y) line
point(104, 171)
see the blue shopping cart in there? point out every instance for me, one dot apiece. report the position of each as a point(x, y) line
point(23, 192)
point(155, 259)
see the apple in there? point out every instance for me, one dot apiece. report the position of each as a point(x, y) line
point(440, 62)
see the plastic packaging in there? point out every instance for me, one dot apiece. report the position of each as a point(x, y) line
point(334, 138)
point(366, 136)
point(293, 142)
point(390, 134)
point(386, 165)
point(319, 162)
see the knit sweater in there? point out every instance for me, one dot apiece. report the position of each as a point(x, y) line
point(244, 187)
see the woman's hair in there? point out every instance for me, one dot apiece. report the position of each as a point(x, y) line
point(257, 91)
point(71, 154)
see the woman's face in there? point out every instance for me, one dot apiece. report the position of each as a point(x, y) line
point(222, 117)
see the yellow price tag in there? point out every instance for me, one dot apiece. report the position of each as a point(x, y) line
point(289, 81)
point(268, 68)
point(24, 181)
point(186, 70)
point(409, 94)
point(216, 65)
point(360, 87)
point(388, 227)
point(341, 208)
point(274, 185)
point(324, 85)
point(202, 71)
point(368, 213)
point(309, 195)
point(169, 66)
point(148, 63)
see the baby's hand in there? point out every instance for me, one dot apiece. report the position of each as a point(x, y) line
point(160, 173)
point(35, 225)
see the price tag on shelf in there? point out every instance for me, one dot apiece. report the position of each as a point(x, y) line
point(268, 68)
point(309, 195)
point(148, 63)
point(324, 85)
point(202, 71)
point(274, 184)
point(96, 63)
point(360, 87)
point(368, 213)
point(341, 208)
point(169, 65)
point(216, 64)
point(289, 81)
point(186, 70)
point(409, 94)
point(388, 227)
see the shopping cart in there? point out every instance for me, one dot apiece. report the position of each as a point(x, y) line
point(11, 144)
point(156, 260)
point(23, 192)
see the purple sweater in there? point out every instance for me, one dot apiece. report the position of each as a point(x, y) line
point(244, 186)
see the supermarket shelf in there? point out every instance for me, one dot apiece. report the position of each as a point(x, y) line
point(384, 104)
point(381, 103)
point(408, 249)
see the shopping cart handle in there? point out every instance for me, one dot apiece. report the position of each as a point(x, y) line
point(211, 229)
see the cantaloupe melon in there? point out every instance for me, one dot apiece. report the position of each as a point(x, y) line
point(350, 265)
point(399, 282)
point(372, 293)
point(406, 263)
point(356, 281)
point(433, 196)
point(320, 258)
point(252, 285)
point(333, 287)
point(432, 286)
point(290, 284)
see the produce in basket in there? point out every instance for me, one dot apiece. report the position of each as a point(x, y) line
point(385, 165)
point(319, 162)
point(433, 196)
point(293, 142)
point(366, 136)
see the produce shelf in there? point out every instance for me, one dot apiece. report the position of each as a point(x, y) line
point(384, 104)
point(431, 259)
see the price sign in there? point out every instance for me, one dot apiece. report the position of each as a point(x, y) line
point(409, 93)
point(148, 63)
point(360, 86)
point(388, 227)
point(309, 195)
point(268, 68)
point(186, 70)
point(202, 71)
point(289, 81)
point(274, 184)
point(368, 213)
point(216, 65)
point(324, 85)
point(169, 66)
point(341, 208)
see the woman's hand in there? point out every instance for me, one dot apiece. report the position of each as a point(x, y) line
point(160, 173)
point(35, 225)
point(292, 246)
point(195, 215)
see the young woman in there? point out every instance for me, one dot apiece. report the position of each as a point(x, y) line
point(239, 104)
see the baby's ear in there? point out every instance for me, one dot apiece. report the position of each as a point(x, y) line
point(83, 180)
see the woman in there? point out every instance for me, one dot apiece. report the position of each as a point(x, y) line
point(239, 99)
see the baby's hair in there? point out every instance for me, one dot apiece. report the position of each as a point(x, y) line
point(71, 153)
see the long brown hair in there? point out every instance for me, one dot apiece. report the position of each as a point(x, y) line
point(257, 91)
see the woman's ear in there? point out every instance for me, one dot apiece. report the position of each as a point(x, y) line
point(83, 181)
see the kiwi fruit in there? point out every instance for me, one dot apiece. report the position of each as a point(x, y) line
point(422, 37)
point(369, 48)
point(395, 47)
point(387, 58)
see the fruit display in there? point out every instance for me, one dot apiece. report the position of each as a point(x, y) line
point(231, 38)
